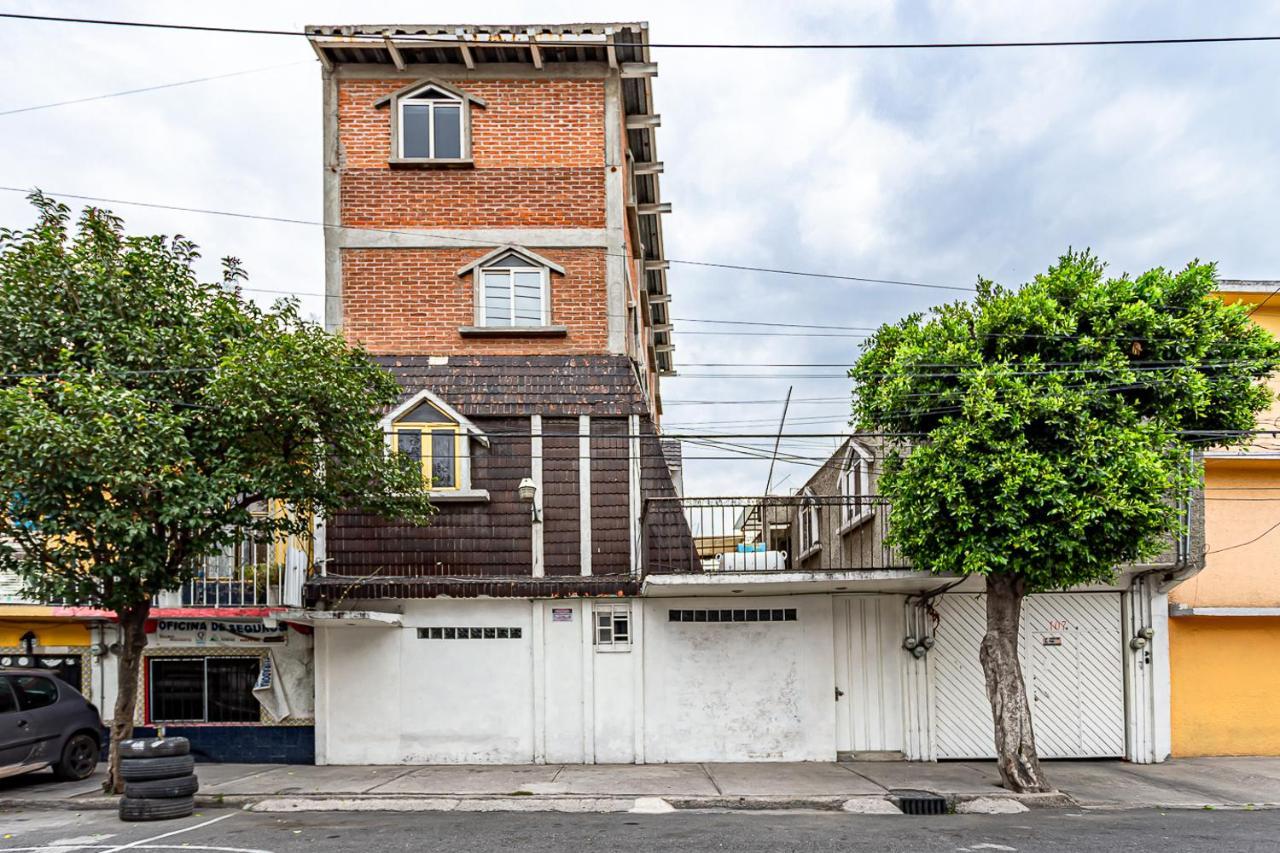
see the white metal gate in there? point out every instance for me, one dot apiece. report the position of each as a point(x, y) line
point(868, 638)
point(1072, 655)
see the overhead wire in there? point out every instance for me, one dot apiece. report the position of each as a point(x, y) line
point(379, 38)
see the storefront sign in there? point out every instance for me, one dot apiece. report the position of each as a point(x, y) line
point(209, 632)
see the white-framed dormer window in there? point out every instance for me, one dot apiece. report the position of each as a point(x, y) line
point(513, 291)
point(438, 438)
point(430, 123)
point(809, 523)
point(854, 487)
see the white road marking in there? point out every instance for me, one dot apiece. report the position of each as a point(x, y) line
point(143, 841)
point(54, 848)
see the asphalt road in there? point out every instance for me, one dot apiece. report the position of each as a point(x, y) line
point(226, 831)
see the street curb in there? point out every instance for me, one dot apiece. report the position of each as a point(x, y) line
point(586, 803)
point(1049, 800)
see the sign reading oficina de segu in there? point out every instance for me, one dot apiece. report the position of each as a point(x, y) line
point(205, 632)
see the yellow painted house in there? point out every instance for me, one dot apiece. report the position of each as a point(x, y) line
point(1224, 626)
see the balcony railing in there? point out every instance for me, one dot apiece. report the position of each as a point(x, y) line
point(802, 533)
point(776, 533)
point(223, 583)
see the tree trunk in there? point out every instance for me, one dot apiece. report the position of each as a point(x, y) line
point(1015, 742)
point(133, 638)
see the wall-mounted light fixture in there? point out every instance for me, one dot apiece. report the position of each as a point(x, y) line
point(528, 491)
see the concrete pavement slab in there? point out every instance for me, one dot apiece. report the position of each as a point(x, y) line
point(469, 779)
point(213, 775)
point(951, 777)
point(300, 779)
point(1112, 783)
point(640, 780)
point(790, 779)
point(43, 785)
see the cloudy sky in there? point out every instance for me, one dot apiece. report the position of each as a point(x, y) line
point(925, 166)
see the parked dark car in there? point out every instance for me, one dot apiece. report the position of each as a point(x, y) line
point(45, 722)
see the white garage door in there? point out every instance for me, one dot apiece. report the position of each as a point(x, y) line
point(1071, 649)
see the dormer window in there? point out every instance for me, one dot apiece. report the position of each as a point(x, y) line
point(438, 438)
point(854, 487)
point(512, 293)
point(810, 525)
point(430, 437)
point(430, 124)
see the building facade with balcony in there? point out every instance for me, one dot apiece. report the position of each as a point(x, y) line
point(873, 658)
point(494, 240)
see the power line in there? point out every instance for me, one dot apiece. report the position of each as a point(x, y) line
point(154, 88)
point(378, 38)
point(286, 220)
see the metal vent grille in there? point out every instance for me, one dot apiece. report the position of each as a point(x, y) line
point(786, 614)
point(919, 802)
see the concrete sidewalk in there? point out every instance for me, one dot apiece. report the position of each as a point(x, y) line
point(857, 786)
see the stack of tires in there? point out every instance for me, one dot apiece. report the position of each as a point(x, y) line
point(159, 778)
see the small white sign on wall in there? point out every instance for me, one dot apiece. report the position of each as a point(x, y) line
point(562, 614)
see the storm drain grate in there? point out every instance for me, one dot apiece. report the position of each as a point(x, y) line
point(919, 802)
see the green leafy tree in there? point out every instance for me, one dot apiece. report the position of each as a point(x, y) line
point(1046, 433)
point(144, 412)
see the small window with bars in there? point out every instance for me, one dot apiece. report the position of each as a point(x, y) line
point(613, 627)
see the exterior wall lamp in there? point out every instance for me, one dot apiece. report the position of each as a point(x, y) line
point(528, 490)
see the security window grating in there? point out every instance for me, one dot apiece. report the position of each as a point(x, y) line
point(204, 689)
point(469, 633)
point(787, 614)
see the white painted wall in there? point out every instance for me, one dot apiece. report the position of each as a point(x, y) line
point(387, 697)
point(739, 691)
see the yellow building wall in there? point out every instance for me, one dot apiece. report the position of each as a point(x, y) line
point(1266, 313)
point(1225, 686)
point(1242, 503)
point(47, 633)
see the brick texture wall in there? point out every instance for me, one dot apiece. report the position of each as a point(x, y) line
point(412, 301)
point(538, 151)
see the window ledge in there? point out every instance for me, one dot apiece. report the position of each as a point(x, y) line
point(810, 551)
point(421, 163)
point(855, 522)
point(514, 331)
point(460, 496)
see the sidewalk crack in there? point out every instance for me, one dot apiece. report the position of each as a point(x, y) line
point(401, 775)
point(860, 775)
point(711, 779)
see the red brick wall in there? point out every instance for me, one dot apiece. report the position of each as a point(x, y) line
point(538, 148)
point(412, 301)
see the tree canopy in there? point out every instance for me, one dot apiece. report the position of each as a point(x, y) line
point(142, 413)
point(1044, 432)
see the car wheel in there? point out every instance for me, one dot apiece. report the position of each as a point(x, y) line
point(154, 747)
point(182, 786)
point(79, 758)
point(140, 808)
point(142, 769)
